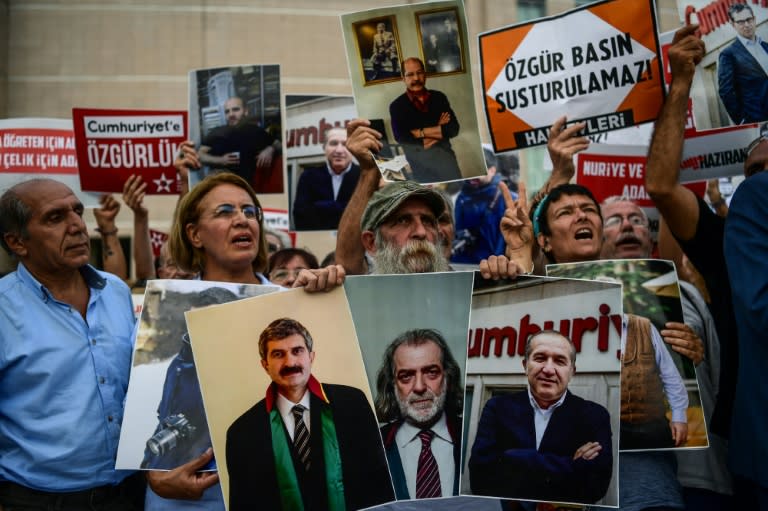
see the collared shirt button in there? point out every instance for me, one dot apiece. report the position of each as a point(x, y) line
point(110, 418)
point(101, 379)
point(93, 342)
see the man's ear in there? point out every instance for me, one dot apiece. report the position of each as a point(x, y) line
point(264, 364)
point(311, 357)
point(525, 367)
point(543, 242)
point(15, 243)
point(369, 241)
point(192, 234)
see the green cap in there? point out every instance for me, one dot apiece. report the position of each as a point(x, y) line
point(386, 200)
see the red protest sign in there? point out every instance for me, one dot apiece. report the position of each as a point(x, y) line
point(619, 170)
point(156, 240)
point(113, 144)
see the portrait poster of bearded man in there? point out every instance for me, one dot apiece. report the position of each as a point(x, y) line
point(414, 354)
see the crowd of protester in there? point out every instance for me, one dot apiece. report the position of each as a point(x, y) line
point(66, 456)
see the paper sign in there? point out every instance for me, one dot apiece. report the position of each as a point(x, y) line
point(114, 144)
point(606, 73)
point(40, 148)
point(619, 170)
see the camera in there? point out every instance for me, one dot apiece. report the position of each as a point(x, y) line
point(174, 428)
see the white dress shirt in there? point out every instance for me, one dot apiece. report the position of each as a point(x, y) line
point(284, 406)
point(336, 179)
point(409, 447)
point(541, 416)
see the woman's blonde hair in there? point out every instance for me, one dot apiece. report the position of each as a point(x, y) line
point(189, 257)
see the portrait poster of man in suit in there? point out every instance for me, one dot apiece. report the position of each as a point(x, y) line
point(543, 422)
point(730, 87)
point(276, 355)
point(742, 70)
point(415, 354)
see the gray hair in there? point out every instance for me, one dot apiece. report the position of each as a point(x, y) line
point(613, 199)
point(529, 343)
point(15, 214)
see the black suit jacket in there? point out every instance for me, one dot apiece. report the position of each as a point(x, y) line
point(314, 207)
point(251, 466)
point(506, 463)
point(742, 83)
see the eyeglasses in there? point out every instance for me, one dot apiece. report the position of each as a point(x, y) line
point(634, 220)
point(283, 274)
point(757, 164)
point(756, 142)
point(227, 211)
point(746, 21)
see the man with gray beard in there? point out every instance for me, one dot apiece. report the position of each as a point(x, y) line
point(419, 397)
point(400, 229)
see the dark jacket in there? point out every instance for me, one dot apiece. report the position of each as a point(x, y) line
point(438, 163)
point(251, 466)
point(742, 83)
point(478, 211)
point(314, 207)
point(506, 463)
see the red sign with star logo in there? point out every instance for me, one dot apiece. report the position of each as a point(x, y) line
point(112, 145)
point(157, 238)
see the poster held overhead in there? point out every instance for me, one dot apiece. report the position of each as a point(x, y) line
point(112, 145)
point(607, 74)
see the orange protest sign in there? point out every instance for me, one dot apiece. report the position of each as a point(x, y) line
point(606, 73)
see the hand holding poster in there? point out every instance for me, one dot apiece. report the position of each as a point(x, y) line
point(607, 73)
point(653, 368)
point(114, 144)
point(424, 112)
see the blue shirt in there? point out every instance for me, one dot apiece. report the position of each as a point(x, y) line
point(62, 382)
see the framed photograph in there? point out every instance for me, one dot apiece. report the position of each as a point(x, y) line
point(440, 40)
point(378, 49)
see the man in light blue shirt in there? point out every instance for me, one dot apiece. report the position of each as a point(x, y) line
point(65, 355)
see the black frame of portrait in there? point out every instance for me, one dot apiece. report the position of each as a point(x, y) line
point(428, 22)
point(364, 31)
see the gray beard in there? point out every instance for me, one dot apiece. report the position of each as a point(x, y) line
point(423, 418)
point(417, 256)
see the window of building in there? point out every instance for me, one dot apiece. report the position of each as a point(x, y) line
point(530, 9)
